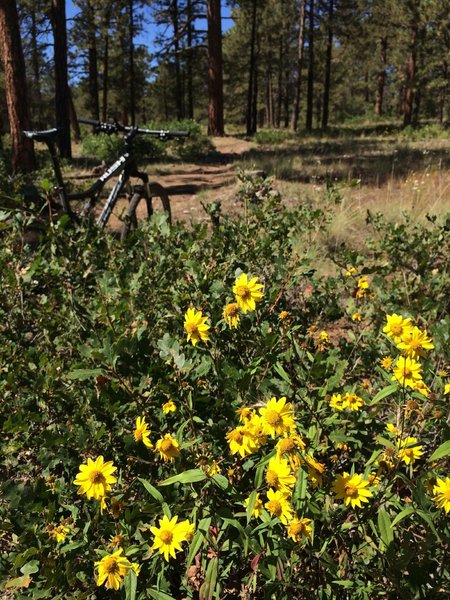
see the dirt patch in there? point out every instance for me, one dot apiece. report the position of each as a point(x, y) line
point(189, 186)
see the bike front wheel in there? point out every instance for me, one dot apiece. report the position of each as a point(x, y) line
point(141, 207)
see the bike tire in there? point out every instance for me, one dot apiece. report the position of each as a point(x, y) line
point(131, 218)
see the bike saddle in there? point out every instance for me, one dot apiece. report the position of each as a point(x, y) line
point(49, 135)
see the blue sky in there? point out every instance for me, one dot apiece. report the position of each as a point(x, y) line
point(147, 38)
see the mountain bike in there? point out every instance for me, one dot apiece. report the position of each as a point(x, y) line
point(140, 197)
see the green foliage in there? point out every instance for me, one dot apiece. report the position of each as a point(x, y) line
point(91, 337)
point(102, 146)
point(108, 147)
point(272, 136)
point(425, 132)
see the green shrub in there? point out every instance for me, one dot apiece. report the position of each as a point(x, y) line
point(102, 146)
point(272, 136)
point(93, 336)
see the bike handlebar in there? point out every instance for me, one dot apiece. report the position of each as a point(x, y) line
point(109, 128)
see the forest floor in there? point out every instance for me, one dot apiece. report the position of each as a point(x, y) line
point(356, 170)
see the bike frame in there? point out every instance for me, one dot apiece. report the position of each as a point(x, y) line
point(125, 166)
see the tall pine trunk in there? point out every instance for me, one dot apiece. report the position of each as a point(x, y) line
point(327, 81)
point(176, 49)
point(215, 78)
point(410, 71)
point(381, 78)
point(92, 65)
point(23, 158)
point(300, 55)
point(189, 70)
point(310, 96)
point(131, 63)
point(35, 57)
point(62, 100)
point(252, 76)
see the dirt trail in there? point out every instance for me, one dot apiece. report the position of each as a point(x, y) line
point(189, 185)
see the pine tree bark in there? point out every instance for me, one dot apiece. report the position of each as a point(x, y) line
point(189, 60)
point(381, 78)
point(310, 96)
point(327, 81)
point(408, 104)
point(23, 158)
point(131, 63)
point(300, 55)
point(92, 64)
point(252, 75)
point(35, 56)
point(176, 47)
point(215, 77)
point(62, 99)
point(105, 86)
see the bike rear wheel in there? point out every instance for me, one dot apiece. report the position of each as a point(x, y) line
point(141, 207)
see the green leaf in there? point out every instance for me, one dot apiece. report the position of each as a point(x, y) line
point(130, 584)
point(401, 515)
point(83, 374)
point(30, 567)
point(385, 527)
point(197, 540)
point(152, 490)
point(443, 450)
point(190, 476)
point(384, 393)
point(157, 595)
point(221, 481)
point(209, 585)
point(69, 547)
point(251, 505)
point(282, 373)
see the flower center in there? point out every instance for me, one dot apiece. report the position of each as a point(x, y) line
point(231, 310)
point(237, 437)
point(446, 495)
point(296, 528)
point(166, 536)
point(111, 566)
point(97, 478)
point(351, 490)
point(275, 507)
point(397, 329)
point(243, 291)
point(138, 435)
point(273, 418)
point(286, 445)
point(191, 328)
point(272, 478)
point(166, 445)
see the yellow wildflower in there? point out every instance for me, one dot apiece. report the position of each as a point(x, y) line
point(277, 417)
point(169, 406)
point(95, 478)
point(414, 343)
point(397, 327)
point(441, 493)
point(299, 528)
point(168, 448)
point(247, 292)
point(195, 326)
point(112, 568)
point(351, 489)
point(231, 314)
point(278, 505)
point(141, 432)
point(409, 450)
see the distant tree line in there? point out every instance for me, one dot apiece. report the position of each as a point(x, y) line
point(277, 63)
